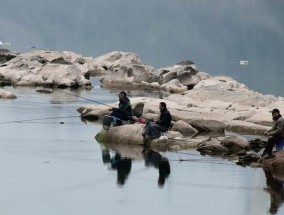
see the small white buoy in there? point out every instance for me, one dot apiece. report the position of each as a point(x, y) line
point(244, 62)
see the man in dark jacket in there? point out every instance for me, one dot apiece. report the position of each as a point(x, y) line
point(124, 110)
point(154, 129)
point(276, 133)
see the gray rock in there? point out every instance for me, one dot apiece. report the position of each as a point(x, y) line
point(184, 128)
point(7, 95)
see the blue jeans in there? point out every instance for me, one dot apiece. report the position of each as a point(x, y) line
point(154, 130)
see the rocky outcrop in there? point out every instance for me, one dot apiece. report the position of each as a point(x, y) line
point(275, 164)
point(7, 95)
point(6, 55)
point(184, 128)
point(122, 68)
point(130, 134)
point(46, 68)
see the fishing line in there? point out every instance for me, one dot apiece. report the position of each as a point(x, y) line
point(30, 120)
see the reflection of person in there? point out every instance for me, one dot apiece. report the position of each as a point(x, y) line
point(154, 129)
point(153, 158)
point(124, 110)
point(105, 154)
point(123, 167)
point(277, 133)
point(275, 188)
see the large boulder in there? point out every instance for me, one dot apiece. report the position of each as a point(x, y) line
point(203, 125)
point(184, 128)
point(125, 134)
point(212, 147)
point(235, 144)
point(275, 164)
point(6, 55)
point(7, 95)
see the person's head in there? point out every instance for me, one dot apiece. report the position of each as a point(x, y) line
point(275, 113)
point(121, 95)
point(162, 106)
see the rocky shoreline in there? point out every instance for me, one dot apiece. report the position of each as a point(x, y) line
point(198, 102)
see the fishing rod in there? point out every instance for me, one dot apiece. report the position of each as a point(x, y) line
point(90, 100)
point(71, 94)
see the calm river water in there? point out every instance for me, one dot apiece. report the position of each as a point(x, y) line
point(55, 166)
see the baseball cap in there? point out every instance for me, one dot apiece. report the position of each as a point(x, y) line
point(275, 110)
point(122, 93)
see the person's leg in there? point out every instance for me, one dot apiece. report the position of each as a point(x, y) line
point(118, 114)
point(147, 129)
point(270, 144)
point(155, 130)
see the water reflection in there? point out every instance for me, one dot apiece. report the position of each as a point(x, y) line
point(154, 158)
point(122, 161)
point(275, 187)
point(121, 164)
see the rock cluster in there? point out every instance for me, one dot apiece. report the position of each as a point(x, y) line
point(120, 68)
point(45, 68)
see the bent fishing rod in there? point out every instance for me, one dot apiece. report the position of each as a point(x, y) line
point(71, 94)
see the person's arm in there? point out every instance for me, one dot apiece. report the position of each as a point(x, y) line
point(267, 132)
point(278, 128)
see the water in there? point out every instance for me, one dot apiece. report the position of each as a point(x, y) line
point(56, 166)
point(48, 167)
point(216, 35)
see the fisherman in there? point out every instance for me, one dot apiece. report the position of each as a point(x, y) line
point(276, 133)
point(154, 129)
point(124, 110)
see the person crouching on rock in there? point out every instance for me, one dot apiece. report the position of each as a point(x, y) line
point(277, 133)
point(154, 129)
point(124, 110)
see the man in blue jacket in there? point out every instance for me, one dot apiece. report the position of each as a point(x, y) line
point(154, 129)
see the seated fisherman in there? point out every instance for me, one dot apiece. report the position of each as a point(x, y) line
point(154, 129)
point(276, 133)
point(124, 110)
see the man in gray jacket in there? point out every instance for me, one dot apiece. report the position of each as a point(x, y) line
point(276, 133)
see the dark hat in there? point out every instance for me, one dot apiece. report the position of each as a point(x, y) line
point(275, 110)
point(122, 93)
